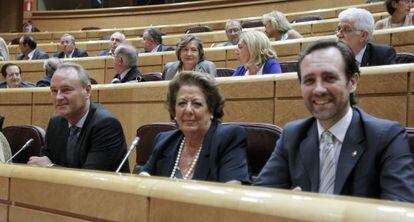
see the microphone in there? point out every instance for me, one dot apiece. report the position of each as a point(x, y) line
point(27, 144)
point(131, 148)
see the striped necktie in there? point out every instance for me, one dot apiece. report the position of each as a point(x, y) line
point(327, 164)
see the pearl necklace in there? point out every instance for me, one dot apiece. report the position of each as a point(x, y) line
point(177, 161)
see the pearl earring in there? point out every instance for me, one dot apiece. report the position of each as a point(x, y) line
point(211, 117)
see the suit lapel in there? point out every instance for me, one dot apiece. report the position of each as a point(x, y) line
point(81, 143)
point(366, 61)
point(168, 156)
point(203, 166)
point(309, 150)
point(351, 151)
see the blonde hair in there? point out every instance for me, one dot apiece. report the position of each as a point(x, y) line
point(278, 21)
point(259, 47)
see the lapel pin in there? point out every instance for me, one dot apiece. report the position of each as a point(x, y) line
point(354, 153)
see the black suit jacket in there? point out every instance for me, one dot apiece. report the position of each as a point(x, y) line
point(37, 55)
point(22, 84)
point(77, 53)
point(377, 54)
point(375, 159)
point(162, 48)
point(133, 75)
point(222, 158)
point(101, 142)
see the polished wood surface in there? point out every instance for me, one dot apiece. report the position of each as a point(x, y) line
point(58, 194)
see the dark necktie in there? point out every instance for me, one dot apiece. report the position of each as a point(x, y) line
point(71, 145)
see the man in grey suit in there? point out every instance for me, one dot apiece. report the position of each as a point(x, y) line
point(152, 39)
point(341, 149)
point(28, 48)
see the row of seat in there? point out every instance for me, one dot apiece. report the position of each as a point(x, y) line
point(261, 141)
point(217, 25)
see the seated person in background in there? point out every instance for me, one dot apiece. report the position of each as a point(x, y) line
point(400, 14)
point(190, 55)
point(116, 39)
point(355, 28)
point(83, 134)
point(28, 48)
point(233, 31)
point(278, 27)
point(201, 148)
point(256, 55)
point(12, 77)
point(125, 64)
point(69, 50)
point(153, 41)
point(50, 65)
point(28, 27)
point(4, 51)
point(340, 149)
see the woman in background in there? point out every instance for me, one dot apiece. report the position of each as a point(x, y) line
point(278, 27)
point(400, 14)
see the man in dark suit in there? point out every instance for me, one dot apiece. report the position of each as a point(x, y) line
point(355, 29)
point(116, 39)
point(341, 149)
point(83, 134)
point(153, 41)
point(69, 50)
point(125, 64)
point(12, 77)
point(28, 48)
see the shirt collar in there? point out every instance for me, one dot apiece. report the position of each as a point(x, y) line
point(70, 55)
point(123, 74)
point(156, 48)
point(358, 57)
point(30, 55)
point(81, 121)
point(339, 128)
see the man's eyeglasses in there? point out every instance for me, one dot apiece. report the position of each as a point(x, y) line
point(345, 29)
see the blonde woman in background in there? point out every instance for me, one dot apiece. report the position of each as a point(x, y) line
point(278, 27)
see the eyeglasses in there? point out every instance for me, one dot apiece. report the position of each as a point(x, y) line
point(345, 29)
point(235, 30)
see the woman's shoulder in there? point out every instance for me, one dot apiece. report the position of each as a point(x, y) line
point(293, 34)
point(207, 63)
point(172, 64)
point(230, 129)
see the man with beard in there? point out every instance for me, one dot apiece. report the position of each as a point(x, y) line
point(340, 149)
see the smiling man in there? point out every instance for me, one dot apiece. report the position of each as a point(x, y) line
point(341, 149)
point(12, 77)
point(83, 134)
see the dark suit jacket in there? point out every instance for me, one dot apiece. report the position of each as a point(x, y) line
point(37, 55)
point(377, 54)
point(101, 142)
point(77, 53)
point(222, 158)
point(162, 48)
point(22, 84)
point(132, 75)
point(103, 53)
point(375, 159)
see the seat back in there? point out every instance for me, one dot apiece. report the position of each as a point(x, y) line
point(410, 133)
point(307, 18)
point(252, 24)
point(17, 136)
point(404, 57)
point(152, 76)
point(290, 66)
point(261, 141)
point(223, 72)
point(1, 122)
point(197, 29)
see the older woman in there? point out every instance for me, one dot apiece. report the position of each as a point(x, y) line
point(400, 14)
point(256, 55)
point(190, 55)
point(278, 27)
point(201, 148)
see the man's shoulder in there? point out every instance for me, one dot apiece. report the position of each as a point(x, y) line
point(378, 126)
point(381, 47)
point(103, 53)
point(298, 126)
point(27, 84)
point(3, 84)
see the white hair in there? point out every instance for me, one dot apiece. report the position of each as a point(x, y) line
point(361, 19)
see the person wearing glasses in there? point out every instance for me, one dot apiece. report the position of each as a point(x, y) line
point(233, 31)
point(355, 28)
point(190, 55)
point(400, 14)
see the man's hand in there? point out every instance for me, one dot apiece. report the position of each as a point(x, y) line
point(43, 161)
